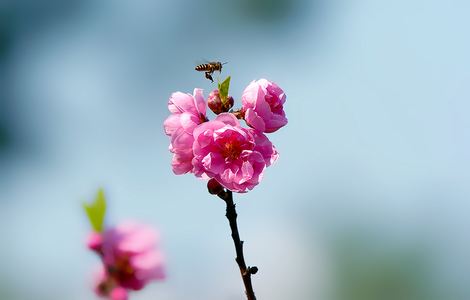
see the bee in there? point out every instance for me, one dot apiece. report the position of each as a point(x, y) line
point(210, 68)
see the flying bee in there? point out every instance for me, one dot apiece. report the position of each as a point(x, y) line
point(209, 68)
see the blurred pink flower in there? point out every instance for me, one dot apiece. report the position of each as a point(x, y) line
point(188, 111)
point(130, 259)
point(262, 104)
point(225, 151)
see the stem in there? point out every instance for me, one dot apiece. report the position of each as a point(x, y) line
point(245, 271)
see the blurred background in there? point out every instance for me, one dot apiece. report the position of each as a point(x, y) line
point(368, 201)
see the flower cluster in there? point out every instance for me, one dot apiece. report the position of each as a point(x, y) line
point(129, 258)
point(221, 149)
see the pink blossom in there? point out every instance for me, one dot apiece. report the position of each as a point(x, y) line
point(130, 260)
point(262, 104)
point(188, 111)
point(225, 151)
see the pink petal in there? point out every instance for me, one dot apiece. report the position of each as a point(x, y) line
point(213, 163)
point(181, 163)
point(261, 106)
point(149, 266)
point(207, 128)
point(247, 172)
point(265, 148)
point(228, 119)
point(119, 293)
point(171, 124)
point(255, 121)
point(182, 142)
point(250, 94)
point(136, 237)
point(276, 122)
point(189, 122)
point(200, 103)
point(180, 102)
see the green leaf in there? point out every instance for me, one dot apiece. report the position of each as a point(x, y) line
point(96, 211)
point(223, 89)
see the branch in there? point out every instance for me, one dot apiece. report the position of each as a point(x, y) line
point(245, 271)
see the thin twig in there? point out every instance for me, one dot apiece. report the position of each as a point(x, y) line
point(245, 271)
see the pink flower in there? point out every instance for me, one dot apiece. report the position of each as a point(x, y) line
point(130, 259)
point(262, 104)
point(188, 111)
point(236, 157)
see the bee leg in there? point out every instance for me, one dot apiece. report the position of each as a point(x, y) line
point(208, 76)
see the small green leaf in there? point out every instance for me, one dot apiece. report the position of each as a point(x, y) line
point(223, 89)
point(96, 211)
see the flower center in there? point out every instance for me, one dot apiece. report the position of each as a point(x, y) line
point(122, 267)
point(106, 286)
point(231, 150)
point(202, 118)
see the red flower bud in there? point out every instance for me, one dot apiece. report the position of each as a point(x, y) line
point(95, 241)
point(214, 102)
point(217, 105)
point(214, 187)
point(227, 105)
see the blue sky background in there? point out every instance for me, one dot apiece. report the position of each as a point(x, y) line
point(373, 177)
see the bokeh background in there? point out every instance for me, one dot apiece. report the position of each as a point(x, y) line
point(370, 197)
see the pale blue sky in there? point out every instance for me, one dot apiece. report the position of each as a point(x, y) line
point(378, 136)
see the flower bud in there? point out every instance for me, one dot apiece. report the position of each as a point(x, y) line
point(214, 102)
point(214, 187)
point(263, 106)
point(94, 241)
point(227, 105)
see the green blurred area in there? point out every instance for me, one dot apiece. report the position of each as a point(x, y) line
point(5, 44)
point(374, 268)
point(3, 138)
point(268, 10)
point(6, 33)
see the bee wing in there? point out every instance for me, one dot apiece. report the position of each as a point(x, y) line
point(201, 62)
point(206, 61)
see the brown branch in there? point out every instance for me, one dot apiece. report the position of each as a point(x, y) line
point(245, 271)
